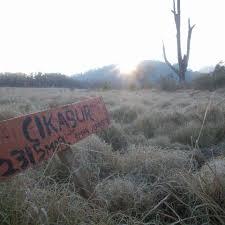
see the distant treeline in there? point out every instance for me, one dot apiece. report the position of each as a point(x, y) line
point(37, 80)
point(148, 74)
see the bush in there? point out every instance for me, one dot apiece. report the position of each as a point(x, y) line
point(211, 81)
point(168, 84)
point(219, 75)
point(204, 82)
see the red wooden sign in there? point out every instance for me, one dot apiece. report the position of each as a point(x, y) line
point(27, 140)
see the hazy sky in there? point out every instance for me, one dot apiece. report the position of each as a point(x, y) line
point(70, 36)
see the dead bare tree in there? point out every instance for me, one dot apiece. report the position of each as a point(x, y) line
point(182, 61)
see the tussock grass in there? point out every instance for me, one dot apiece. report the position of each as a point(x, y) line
point(7, 114)
point(124, 114)
point(116, 137)
point(150, 164)
point(145, 169)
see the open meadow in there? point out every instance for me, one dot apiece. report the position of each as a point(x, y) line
point(160, 162)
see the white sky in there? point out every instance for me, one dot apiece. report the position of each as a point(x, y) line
point(71, 36)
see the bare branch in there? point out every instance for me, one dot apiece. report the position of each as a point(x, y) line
point(178, 7)
point(167, 62)
point(176, 13)
point(189, 25)
point(190, 29)
point(174, 6)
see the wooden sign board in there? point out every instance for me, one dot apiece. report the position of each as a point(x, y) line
point(27, 140)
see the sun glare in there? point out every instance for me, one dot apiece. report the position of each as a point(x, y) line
point(127, 68)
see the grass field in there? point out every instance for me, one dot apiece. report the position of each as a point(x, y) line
point(160, 162)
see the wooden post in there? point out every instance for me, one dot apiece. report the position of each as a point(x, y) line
point(78, 174)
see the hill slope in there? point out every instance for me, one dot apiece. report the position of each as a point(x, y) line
point(148, 70)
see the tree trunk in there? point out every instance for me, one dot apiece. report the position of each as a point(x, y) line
point(182, 61)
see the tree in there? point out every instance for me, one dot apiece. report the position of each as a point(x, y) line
point(182, 60)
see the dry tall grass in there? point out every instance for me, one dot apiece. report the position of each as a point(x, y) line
point(145, 169)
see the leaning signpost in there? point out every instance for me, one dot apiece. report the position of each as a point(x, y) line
point(28, 140)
